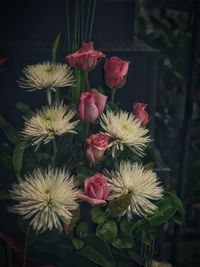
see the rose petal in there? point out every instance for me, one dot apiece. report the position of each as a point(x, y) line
point(91, 201)
point(100, 100)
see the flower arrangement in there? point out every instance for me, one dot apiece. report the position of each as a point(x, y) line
point(84, 190)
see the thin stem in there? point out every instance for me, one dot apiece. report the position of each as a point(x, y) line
point(26, 245)
point(142, 247)
point(79, 26)
point(57, 96)
point(82, 22)
point(113, 95)
point(87, 21)
point(9, 255)
point(86, 81)
point(152, 249)
point(87, 129)
point(68, 27)
point(92, 20)
point(49, 97)
point(76, 90)
point(54, 150)
point(76, 25)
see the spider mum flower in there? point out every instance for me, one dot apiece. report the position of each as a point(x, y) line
point(46, 75)
point(48, 122)
point(125, 130)
point(143, 185)
point(47, 197)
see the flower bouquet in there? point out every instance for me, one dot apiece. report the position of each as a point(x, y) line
point(84, 189)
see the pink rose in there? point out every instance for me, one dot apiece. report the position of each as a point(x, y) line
point(97, 145)
point(140, 113)
point(115, 72)
point(85, 58)
point(92, 104)
point(96, 190)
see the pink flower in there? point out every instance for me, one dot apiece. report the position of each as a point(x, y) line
point(85, 58)
point(92, 104)
point(140, 113)
point(97, 145)
point(115, 72)
point(96, 190)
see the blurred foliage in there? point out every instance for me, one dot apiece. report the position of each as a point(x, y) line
point(167, 29)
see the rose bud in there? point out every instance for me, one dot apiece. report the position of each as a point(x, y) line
point(96, 190)
point(91, 105)
point(115, 70)
point(97, 145)
point(85, 58)
point(140, 113)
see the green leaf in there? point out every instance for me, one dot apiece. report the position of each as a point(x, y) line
point(167, 207)
point(107, 231)
point(17, 157)
point(123, 242)
point(82, 230)
point(55, 47)
point(10, 132)
point(128, 226)
point(176, 201)
point(24, 108)
point(119, 205)
point(163, 215)
point(98, 216)
point(97, 251)
point(44, 157)
point(78, 243)
point(6, 156)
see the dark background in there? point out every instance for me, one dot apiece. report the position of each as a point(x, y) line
point(161, 39)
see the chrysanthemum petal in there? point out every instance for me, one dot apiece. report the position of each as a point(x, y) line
point(125, 131)
point(48, 122)
point(46, 75)
point(47, 197)
point(142, 184)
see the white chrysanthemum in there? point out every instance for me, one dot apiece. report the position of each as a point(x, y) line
point(124, 130)
point(46, 75)
point(143, 185)
point(48, 122)
point(47, 197)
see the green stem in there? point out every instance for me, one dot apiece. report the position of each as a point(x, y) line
point(75, 44)
point(86, 81)
point(75, 91)
point(9, 255)
point(57, 96)
point(87, 21)
point(54, 151)
point(82, 22)
point(79, 26)
point(26, 246)
point(87, 129)
point(113, 95)
point(49, 97)
point(92, 20)
point(68, 27)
